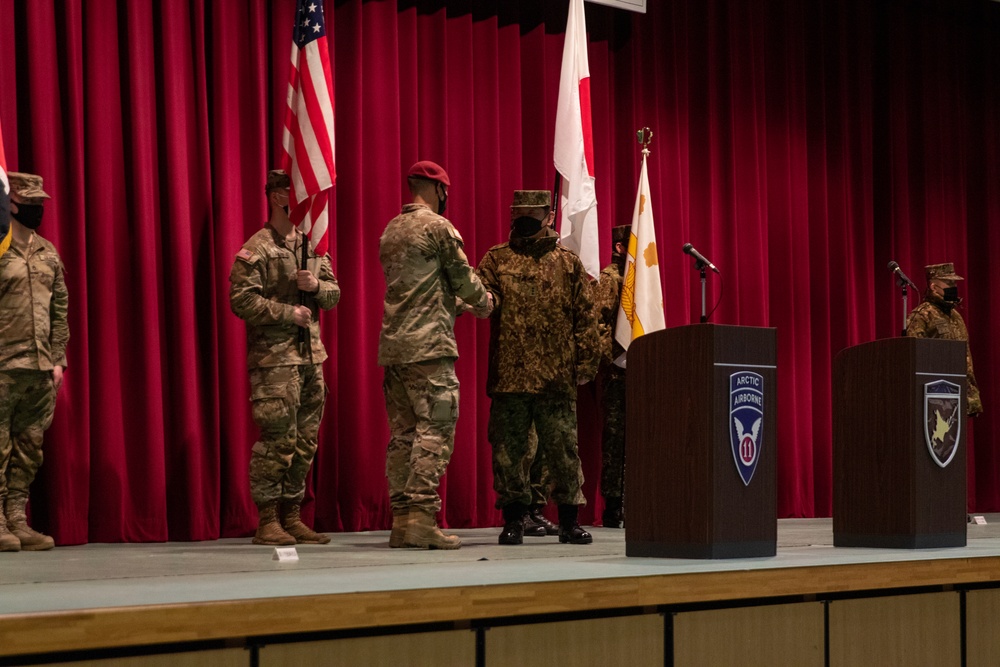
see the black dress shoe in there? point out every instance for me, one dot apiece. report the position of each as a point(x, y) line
point(531, 528)
point(574, 535)
point(513, 532)
point(536, 525)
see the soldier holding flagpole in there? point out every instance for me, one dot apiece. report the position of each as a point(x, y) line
point(280, 280)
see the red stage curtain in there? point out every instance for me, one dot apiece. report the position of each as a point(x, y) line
point(801, 146)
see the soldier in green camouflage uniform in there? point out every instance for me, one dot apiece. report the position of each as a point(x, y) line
point(286, 381)
point(937, 316)
point(607, 295)
point(428, 281)
point(543, 343)
point(33, 336)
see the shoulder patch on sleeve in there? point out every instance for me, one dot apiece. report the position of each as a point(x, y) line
point(453, 233)
point(246, 255)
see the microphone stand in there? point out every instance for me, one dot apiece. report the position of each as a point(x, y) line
point(700, 265)
point(906, 310)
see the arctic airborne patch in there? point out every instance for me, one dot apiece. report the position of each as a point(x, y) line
point(746, 419)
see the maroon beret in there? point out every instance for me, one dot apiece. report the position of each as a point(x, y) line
point(430, 171)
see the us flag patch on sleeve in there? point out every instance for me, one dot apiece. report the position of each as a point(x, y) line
point(245, 255)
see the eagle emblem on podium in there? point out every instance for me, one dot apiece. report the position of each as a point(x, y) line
point(942, 420)
point(746, 417)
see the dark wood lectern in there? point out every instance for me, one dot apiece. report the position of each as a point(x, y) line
point(899, 444)
point(685, 478)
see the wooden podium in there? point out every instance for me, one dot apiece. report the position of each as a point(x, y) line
point(899, 457)
point(690, 492)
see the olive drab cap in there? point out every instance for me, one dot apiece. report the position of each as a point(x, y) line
point(277, 179)
point(944, 271)
point(27, 186)
point(532, 199)
point(620, 234)
point(430, 171)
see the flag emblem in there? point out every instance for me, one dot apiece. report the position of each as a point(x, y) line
point(942, 420)
point(574, 145)
point(308, 140)
point(640, 310)
point(746, 416)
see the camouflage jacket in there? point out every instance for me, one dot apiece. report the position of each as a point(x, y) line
point(543, 333)
point(607, 292)
point(426, 274)
point(933, 318)
point(33, 307)
point(263, 291)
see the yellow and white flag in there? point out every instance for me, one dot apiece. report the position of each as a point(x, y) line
point(641, 309)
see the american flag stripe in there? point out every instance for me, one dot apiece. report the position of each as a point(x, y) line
point(4, 201)
point(317, 98)
point(308, 139)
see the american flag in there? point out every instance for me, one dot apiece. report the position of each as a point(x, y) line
point(308, 135)
point(4, 201)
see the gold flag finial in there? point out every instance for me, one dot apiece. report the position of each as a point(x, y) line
point(644, 137)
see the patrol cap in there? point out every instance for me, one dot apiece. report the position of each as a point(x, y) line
point(944, 271)
point(277, 179)
point(620, 234)
point(429, 171)
point(27, 186)
point(532, 199)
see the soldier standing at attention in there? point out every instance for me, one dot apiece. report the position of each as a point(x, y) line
point(286, 379)
point(543, 343)
point(607, 296)
point(937, 316)
point(428, 281)
point(33, 337)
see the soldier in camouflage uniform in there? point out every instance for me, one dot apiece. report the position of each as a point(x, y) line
point(33, 337)
point(543, 343)
point(937, 316)
point(607, 295)
point(428, 281)
point(286, 379)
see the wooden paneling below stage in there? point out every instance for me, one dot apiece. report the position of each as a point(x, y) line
point(811, 605)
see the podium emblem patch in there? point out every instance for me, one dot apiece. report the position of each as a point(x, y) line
point(942, 420)
point(746, 416)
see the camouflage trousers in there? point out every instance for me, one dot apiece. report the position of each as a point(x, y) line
point(421, 401)
point(613, 435)
point(554, 418)
point(27, 401)
point(287, 407)
point(538, 474)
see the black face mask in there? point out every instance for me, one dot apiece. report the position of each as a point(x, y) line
point(29, 215)
point(526, 225)
point(442, 201)
point(619, 260)
point(951, 295)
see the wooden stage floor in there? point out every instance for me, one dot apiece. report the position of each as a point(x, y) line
point(117, 595)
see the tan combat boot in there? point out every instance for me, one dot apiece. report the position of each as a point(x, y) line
point(8, 542)
point(422, 532)
point(291, 521)
point(269, 531)
point(17, 523)
point(400, 517)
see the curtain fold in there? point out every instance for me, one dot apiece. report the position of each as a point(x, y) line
point(800, 146)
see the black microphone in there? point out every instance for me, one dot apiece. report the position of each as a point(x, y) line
point(689, 249)
point(894, 267)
